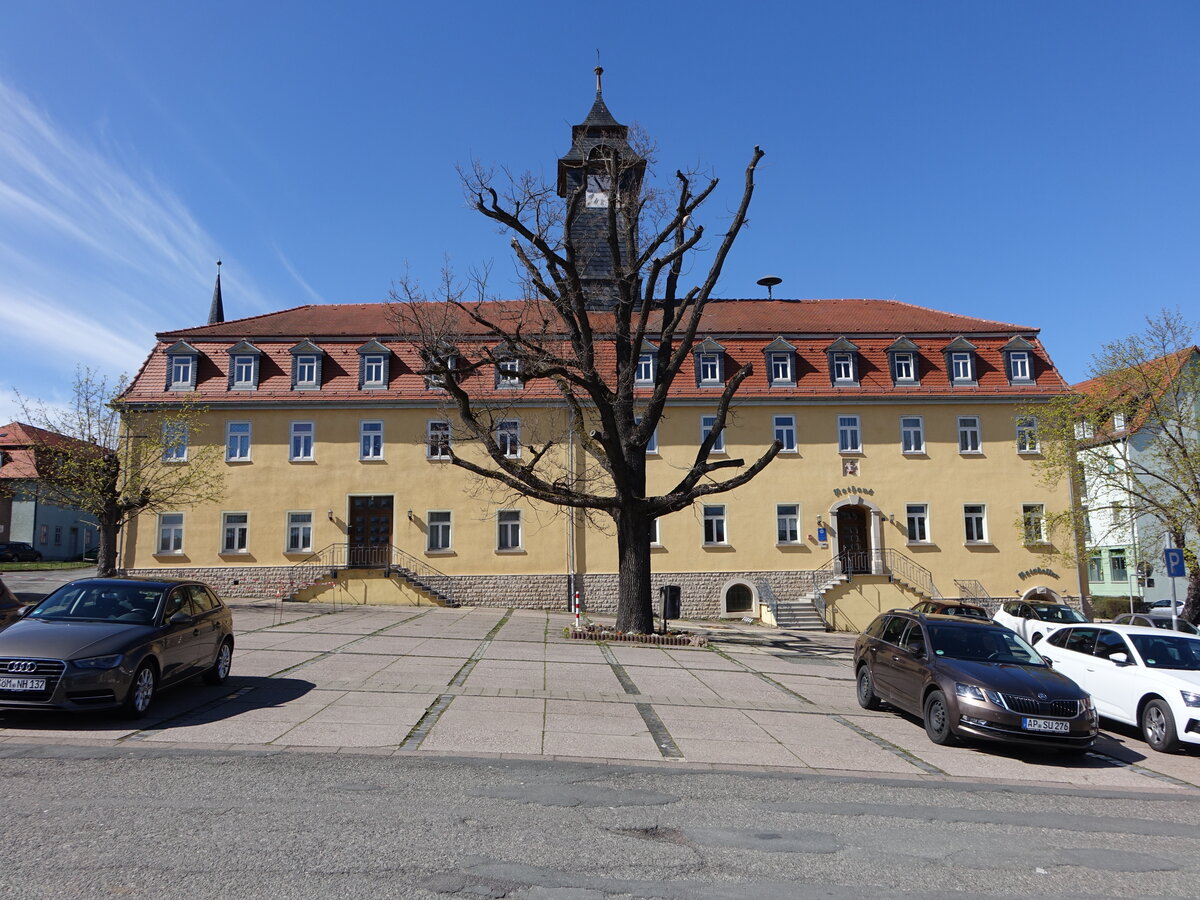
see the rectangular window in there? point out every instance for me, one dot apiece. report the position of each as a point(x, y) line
point(299, 532)
point(652, 444)
point(1032, 519)
point(170, 533)
point(1085, 518)
point(714, 525)
point(175, 442)
point(903, 368)
point(234, 531)
point(1027, 437)
point(243, 371)
point(975, 522)
point(43, 534)
point(787, 523)
point(785, 433)
point(437, 440)
point(781, 368)
point(710, 368)
point(1096, 568)
point(1116, 566)
point(654, 542)
point(508, 438)
point(306, 370)
point(707, 424)
point(1118, 421)
point(960, 367)
point(237, 442)
point(968, 434)
point(57, 535)
point(843, 367)
point(181, 371)
point(507, 373)
point(1018, 365)
point(437, 379)
point(439, 530)
point(370, 440)
point(301, 446)
point(645, 369)
point(849, 436)
point(373, 370)
point(1084, 430)
point(508, 529)
point(912, 434)
point(918, 523)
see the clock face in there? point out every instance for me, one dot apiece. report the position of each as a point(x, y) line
point(596, 196)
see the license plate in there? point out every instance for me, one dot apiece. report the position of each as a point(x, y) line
point(1046, 725)
point(22, 684)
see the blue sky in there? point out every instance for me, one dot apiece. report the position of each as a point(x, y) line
point(1028, 162)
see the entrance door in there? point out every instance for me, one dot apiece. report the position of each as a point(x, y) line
point(853, 551)
point(370, 532)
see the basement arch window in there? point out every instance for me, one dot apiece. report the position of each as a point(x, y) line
point(737, 599)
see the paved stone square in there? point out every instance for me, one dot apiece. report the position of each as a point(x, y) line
point(377, 680)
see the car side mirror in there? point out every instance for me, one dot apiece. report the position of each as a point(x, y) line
point(181, 618)
point(1120, 658)
point(1048, 661)
point(24, 611)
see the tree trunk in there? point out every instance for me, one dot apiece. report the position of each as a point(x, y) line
point(635, 608)
point(1191, 599)
point(106, 552)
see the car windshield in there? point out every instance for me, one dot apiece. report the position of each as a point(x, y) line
point(971, 612)
point(134, 604)
point(987, 644)
point(1168, 651)
point(1055, 613)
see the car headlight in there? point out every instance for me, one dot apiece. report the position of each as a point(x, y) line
point(1190, 698)
point(100, 662)
point(974, 694)
point(1086, 703)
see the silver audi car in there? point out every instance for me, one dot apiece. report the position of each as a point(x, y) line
point(102, 643)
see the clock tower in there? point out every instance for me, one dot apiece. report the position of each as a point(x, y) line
point(610, 171)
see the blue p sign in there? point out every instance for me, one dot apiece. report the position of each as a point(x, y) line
point(1173, 557)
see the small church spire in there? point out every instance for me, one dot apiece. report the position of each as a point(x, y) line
point(599, 70)
point(216, 312)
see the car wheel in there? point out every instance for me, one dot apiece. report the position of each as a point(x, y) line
point(1158, 726)
point(867, 697)
point(141, 692)
point(937, 719)
point(219, 670)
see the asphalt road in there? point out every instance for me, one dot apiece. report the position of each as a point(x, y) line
point(139, 822)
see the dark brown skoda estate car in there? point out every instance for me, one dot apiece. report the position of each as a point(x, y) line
point(970, 678)
point(101, 643)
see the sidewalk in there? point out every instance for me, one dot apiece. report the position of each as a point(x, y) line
point(429, 681)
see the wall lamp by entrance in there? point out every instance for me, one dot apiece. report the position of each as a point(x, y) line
point(331, 515)
point(410, 515)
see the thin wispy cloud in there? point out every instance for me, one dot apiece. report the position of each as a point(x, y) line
point(291, 270)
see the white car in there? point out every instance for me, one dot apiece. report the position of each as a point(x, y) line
point(1033, 620)
point(1163, 607)
point(1146, 677)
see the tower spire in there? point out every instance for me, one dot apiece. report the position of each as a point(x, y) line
point(216, 312)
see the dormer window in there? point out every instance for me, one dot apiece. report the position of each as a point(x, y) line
point(902, 355)
point(373, 359)
point(508, 373)
point(843, 362)
point(1018, 361)
point(781, 363)
point(182, 362)
point(243, 367)
point(645, 370)
point(960, 362)
point(1118, 421)
point(710, 363)
point(437, 365)
point(306, 366)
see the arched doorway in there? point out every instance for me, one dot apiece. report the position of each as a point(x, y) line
point(854, 549)
point(1041, 594)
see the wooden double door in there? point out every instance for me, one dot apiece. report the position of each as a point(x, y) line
point(370, 532)
point(854, 551)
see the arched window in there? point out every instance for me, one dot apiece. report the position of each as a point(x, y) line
point(739, 598)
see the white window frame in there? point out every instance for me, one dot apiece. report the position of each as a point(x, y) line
point(374, 370)
point(509, 533)
point(1019, 367)
point(298, 534)
point(170, 534)
point(439, 531)
point(710, 368)
point(843, 367)
point(787, 524)
point(849, 434)
point(781, 368)
point(306, 364)
point(970, 435)
point(644, 373)
point(508, 373)
point(183, 370)
point(912, 436)
point(716, 533)
point(439, 447)
point(175, 442)
point(917, 521)
point(654, 533)
point(240, 531)
point(243, 370)
point(904, 358)
point(508, 438)
point(1033, 523)
point(707, 423)
point(980, 521)
point(962, 367)
point(652, 444)
point(370, 439)
point(1118, 421)
point(296, 433)
point(1084, 430)
point(1027, 436)
point(785, 432)
point(238, 445)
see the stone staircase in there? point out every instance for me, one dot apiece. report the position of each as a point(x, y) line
point(802, 614)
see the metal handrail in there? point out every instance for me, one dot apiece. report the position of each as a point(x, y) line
point(971, 589)
point(900, 566)
point(393, 560)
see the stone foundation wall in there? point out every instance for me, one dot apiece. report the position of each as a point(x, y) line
point(237, 581)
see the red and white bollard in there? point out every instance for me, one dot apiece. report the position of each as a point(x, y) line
point(577, 610)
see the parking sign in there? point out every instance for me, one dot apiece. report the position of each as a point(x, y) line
point(1173, 557)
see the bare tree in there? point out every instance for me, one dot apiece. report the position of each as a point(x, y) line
point(117, 462)
point(601, 262)
point(1131, 439)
